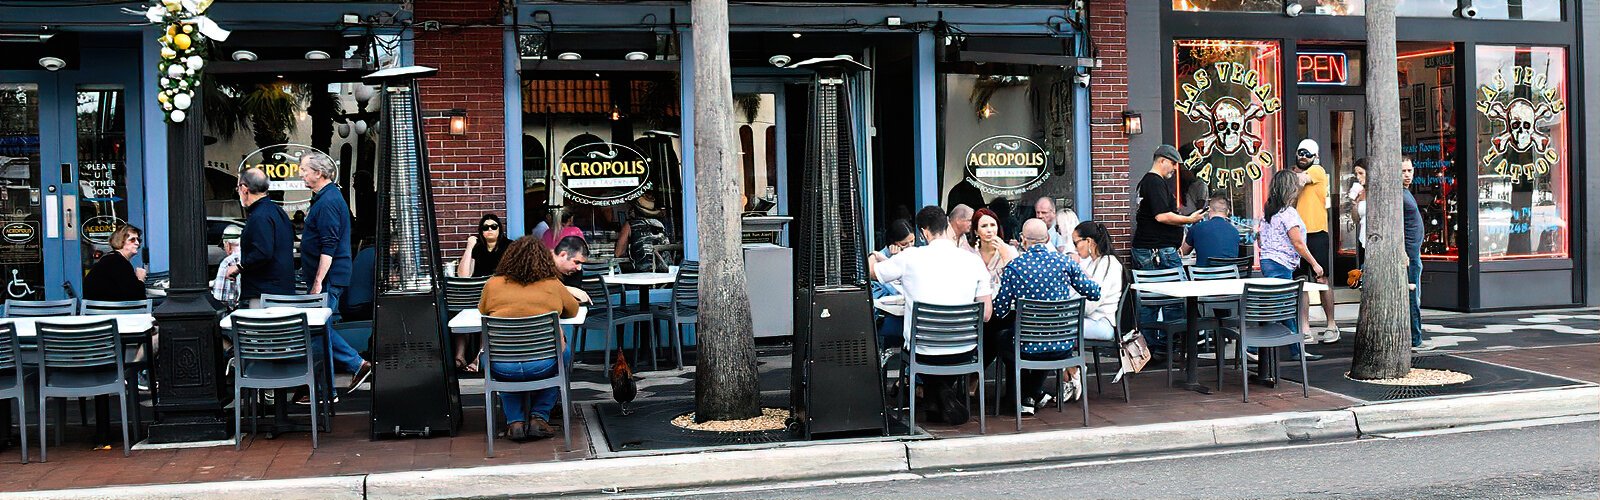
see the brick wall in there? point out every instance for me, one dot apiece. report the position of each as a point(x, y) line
point(1108, 96)
point(469, 171)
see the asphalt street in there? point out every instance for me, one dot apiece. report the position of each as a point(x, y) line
point(1552, 461)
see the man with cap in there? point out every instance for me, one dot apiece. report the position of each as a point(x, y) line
point(1158, 232)
point(1313, 209)
point(224, 287)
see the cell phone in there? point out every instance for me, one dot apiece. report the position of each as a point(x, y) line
point(1198, 212)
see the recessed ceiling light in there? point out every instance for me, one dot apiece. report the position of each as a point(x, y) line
point(796, 35)
point(570, 56)
point(316, 55)
point(636, 56)
point(244, 55)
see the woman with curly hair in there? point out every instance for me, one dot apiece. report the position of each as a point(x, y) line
point(527, 284)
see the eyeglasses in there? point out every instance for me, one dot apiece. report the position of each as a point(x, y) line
point(489, 227)
point(1305, 154)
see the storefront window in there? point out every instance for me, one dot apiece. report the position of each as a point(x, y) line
point(613, 155)
point(21, 216)
point(102, 170)
point(1227, 111)
point(1428, 137)
point(1320, 7)
point(1522, 149)
point(1007, 141)
point(1528, 10)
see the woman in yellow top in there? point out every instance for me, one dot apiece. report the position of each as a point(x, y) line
point(527, 284)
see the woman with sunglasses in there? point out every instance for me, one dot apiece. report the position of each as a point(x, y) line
point(113, 277)
point(484, 249)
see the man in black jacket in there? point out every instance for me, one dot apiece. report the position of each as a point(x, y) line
point(266, 248)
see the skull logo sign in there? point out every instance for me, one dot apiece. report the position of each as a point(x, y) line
point(1228, 119)
point(1520, 132)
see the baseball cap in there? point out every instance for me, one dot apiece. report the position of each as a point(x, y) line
point(232, 233)
point(1168, 152)
point(1308, 146)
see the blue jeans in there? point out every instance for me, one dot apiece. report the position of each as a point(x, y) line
point(345, 358)
point(1414, 277)
point(1272, 269)
point(1157, 258)
point(516, 405)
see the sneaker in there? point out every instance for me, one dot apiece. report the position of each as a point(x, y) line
point(1308, 356)
point(1046, 399)
point(144, 380)
point(1027, 407)
point(954, 405)
point(1426, 345)
point(362, 376)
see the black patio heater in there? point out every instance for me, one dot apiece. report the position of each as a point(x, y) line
point(837, 386)
point(414, 390)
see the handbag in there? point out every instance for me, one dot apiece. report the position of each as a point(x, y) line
point(1135, 354)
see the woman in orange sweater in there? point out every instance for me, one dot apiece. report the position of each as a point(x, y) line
point(527, 284)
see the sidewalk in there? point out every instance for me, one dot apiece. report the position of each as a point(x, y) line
point(1561, 344)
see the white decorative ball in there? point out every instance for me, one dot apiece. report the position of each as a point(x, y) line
point(361, 127)
point(181, 101)
point(177, 116)
point(344, 130)
point(194, 63)
point(183, 84)
point(364, 93)
point(174, 71)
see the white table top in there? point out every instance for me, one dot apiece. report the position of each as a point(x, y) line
point(894, 305)
point(1213, 288)
point(639, 279)
point(471, 321)
point(315, 316)
point(126, 323)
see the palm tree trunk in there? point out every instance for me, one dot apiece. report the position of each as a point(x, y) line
point(1383, 332)
point(726, 387)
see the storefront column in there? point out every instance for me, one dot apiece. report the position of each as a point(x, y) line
point(1083, 202)
point(691, 231)
point(515, 212)
point(924, 112)
point(151, 119)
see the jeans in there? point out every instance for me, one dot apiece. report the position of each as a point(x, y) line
point(1157, 258)
point(1414, 277)
point(345, 358)
point(1098, 329)
point(1272, 269)
point(516, 405)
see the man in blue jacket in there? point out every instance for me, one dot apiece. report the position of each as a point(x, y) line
point(325, 260)
point(266, 247)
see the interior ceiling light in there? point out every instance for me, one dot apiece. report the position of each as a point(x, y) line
point(244, 55)
point(316, 55)
point(796, 35)
point(636, 56)
point(570, 56)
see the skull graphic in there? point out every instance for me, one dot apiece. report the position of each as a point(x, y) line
point(1520, 124)
point(1228, 124)
point(1520, 117)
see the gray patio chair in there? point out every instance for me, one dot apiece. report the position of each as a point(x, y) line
point(103, 308)
point(1127, 321)
point(521, 340)
point(605, 315)
point(685, 306)
point(955, 328)
point(1043, 322)
point(1262, 309)
point(1213, 310)
point(40, 308)
point(1244, 262)
point(87, 361)
point(461, 294)
point(311, 301)
point(1174, 328)
point(11, 384)
point(272, 351)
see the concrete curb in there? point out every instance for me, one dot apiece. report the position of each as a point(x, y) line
point(1139, 439)
point(1442, 413)
point(654, 472)
point(311, 488)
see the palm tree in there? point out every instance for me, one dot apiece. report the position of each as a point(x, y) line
point(269, 109)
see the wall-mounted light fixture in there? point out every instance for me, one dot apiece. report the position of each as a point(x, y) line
point(458, 121)
point(1132, 123)
point(570, 56)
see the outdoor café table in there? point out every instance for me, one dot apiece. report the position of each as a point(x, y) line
point(471, 321)
point(1192, 291)
point(316, 323)
point(644, 282)
point(893, 305)
point(135, 329)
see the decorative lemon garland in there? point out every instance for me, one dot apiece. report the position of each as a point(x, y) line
point(183, 51)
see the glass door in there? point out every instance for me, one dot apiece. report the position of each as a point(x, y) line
point(1338, 124)
point(64, 170)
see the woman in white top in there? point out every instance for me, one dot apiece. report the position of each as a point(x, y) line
point(1094, 244)
point(990, 244)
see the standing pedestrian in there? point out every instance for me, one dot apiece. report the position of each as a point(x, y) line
point(1283, 240)
point(1313, 208)
point(1413, 225)
point(266, 247)
point(325, 260)
point(1158, 234)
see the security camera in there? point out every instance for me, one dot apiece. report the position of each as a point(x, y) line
point(1467, 12)
point(1082, 79)
point(52, 63)
point(1292, 9)
point(779, 60)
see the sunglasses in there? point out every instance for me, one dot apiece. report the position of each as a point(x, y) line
point(133, 239)
point(489, 227)
point(1305, 154)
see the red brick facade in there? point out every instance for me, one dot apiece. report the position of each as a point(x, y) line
point(1108, 96)
point(469, 171)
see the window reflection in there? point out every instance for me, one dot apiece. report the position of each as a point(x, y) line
point(1007, 140)
point(1228, 114)
point(1522, 146)
point(102, 170)
point(21, 259)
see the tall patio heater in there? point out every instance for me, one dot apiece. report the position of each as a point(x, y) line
point(837, 386)
point(414, 390)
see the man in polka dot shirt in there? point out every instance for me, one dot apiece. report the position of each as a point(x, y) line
point(1039, 273)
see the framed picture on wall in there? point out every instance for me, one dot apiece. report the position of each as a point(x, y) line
point(1405, 112)
point(1447, 75)
point(1443, 108)
point(1419, 95)
point(1419, 115)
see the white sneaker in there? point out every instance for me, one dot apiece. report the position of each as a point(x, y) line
point(1427, 345)
point(1044, 401)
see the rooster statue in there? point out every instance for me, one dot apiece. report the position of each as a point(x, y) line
point(623, 388)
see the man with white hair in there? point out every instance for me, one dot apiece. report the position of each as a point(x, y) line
point(1045, 210)
point(325, 260)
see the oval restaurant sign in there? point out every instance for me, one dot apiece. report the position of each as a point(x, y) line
point(1007, 165)
point(18, 232)
point(99, 229)
point(281, 163)
point(604, 173)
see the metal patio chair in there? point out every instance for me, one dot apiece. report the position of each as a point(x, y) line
point(605, 315)
point(1043, 322)
point(272, 351)
point(11, 384)
point(521, 340)
point(1263, 308)
point(956, 328)
point(684, 309)
point(86, 359)
point(40, 308)
point(1172, 327)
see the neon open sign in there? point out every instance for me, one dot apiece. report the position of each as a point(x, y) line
point(1322, 68)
